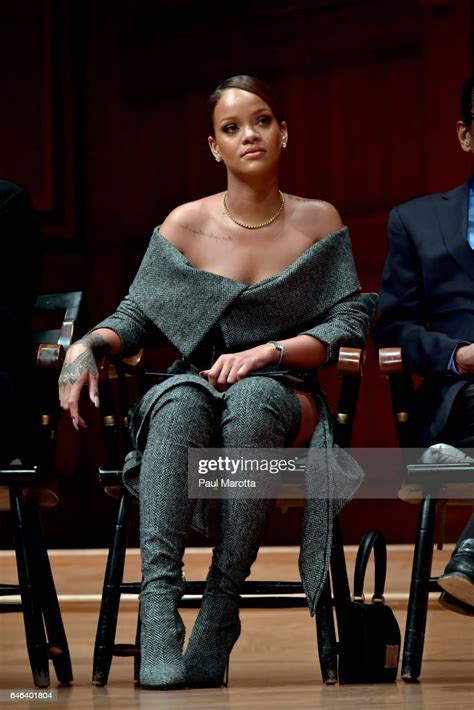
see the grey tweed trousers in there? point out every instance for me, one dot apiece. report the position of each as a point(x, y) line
point(255, 412)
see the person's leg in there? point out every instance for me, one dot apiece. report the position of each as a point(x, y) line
point(457, 580)
point(184, 416)
point(468, 531)
point(464, 418)
point(260, 413)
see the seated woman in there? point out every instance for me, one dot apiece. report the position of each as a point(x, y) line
point(239, 281)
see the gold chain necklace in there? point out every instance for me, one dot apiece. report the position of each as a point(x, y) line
point(254, 226)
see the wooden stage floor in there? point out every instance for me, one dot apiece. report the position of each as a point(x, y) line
point(274, 664)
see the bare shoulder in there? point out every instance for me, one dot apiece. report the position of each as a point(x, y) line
point(189, 219)
point(174, 226)
point(316, 217)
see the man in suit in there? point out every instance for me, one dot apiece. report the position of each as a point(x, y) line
point(426, 306)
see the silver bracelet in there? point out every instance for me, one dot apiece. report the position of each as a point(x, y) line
point(279, 347)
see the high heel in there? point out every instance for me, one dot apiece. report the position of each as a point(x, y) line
point(161, 641)
point(226, 674)
point(215, 632)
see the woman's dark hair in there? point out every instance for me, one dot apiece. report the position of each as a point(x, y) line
point(467, 101)
point(247, 83)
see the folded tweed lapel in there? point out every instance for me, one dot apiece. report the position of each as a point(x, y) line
point(184, 302)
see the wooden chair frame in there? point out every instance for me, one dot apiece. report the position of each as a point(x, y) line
point(421, 583)
point(44, 629)
point(264, 594)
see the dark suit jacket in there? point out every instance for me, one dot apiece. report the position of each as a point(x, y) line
point(19, 270)
point(427, 298)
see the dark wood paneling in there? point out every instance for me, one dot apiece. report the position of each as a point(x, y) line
point(370, 91)
point(40, 115)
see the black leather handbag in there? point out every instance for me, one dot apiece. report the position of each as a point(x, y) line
point(369, 634)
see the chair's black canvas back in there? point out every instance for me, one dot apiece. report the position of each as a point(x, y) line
point(54, 320)
point(370, 301)
point(64, 308)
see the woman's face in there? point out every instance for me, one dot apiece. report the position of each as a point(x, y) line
point(247, 136)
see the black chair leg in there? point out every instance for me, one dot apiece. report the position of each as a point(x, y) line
point(419, 590)
point(338, 600)
point(136, 660)
point(109, 608)
point(44, 582)
point(340, 582)
point(32, 615)
point(326, 635)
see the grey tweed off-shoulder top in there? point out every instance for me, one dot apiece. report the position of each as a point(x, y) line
point(316, 294)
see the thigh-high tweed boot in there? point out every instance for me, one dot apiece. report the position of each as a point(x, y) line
point(258, 412)
point(183, 417)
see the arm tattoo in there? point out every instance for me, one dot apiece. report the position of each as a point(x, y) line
point(96, 343)
point(73, 370)
point(202, 233)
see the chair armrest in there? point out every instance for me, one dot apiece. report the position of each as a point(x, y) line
point(134, 363)
point(112, 368)
point(390, 361)
point(350, 369)
point(401, 393)
point(50, 355)
point(350, 362)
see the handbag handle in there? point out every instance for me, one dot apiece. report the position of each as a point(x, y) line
point(373, 540)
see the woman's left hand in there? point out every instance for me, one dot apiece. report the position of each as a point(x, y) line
point(229, 369)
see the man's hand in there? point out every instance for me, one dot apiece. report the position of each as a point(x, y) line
point(464, 359)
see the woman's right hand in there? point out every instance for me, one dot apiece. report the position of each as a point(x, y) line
point(79, 369)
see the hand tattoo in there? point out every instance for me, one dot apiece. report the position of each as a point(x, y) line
point(72, 371)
